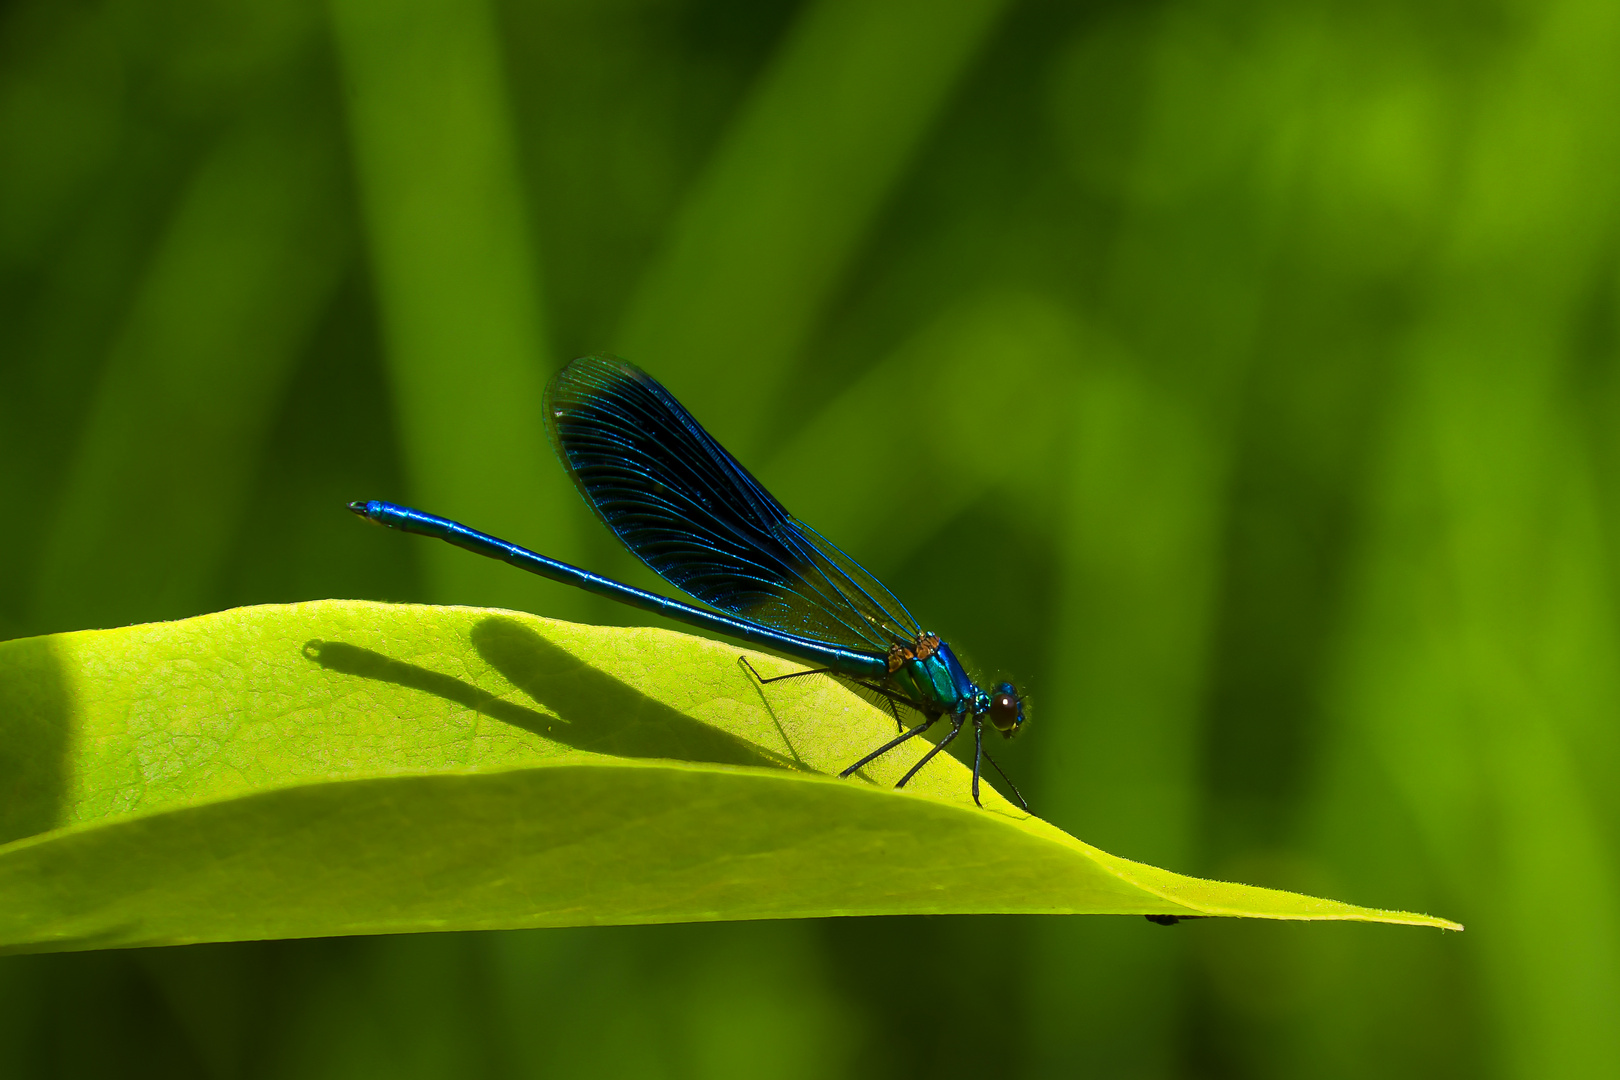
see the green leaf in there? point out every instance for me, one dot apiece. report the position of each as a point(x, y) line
point(343, 767)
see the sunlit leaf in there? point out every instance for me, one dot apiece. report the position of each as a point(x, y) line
point(343, 767)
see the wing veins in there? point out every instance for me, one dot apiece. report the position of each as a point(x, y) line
point(687, 509)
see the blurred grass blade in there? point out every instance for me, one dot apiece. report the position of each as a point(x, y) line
point(343, 767)
point(763, 240)
point(458, 283)
point(1031, 343)
point(1481, 664)
point(1148, 464)
point(1479, 670)
point(1143, 515)
point(158, 481)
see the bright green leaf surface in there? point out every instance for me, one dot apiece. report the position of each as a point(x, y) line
point(344, 767)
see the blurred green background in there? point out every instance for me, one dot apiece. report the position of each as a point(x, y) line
point(1239, 377)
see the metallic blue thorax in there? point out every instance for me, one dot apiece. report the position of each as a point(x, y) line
point(930, 674)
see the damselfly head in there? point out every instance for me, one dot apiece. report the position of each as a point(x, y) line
point(1006, 709)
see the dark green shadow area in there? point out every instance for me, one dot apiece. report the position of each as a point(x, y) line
point(587, 709)
point(35, 715)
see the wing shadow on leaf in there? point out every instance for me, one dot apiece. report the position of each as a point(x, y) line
point(605, 715)
point(592, 710)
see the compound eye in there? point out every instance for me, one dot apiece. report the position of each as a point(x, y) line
point(1006, 710)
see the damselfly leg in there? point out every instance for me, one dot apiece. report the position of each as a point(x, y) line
point(956, 729)
point(890, 745)
point(778, 678)
point(887, 695)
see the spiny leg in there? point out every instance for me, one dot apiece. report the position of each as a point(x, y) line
point(778, 678)
point(978, 752)
point(956, 729)
point(891, 744)
point(899, 725)
point(1016, 793)
point(888, 695)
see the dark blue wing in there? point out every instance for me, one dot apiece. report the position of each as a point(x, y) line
point(686, 508)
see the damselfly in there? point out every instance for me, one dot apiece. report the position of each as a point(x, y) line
point(687, 509)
